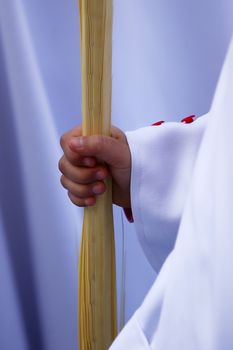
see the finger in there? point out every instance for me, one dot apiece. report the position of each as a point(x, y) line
point(104, 148)
point(80, 161)
point(88, 202)
point(117, 134)
point(74, 157)
point(82, 175)
point(83, 191)
point(75, 132)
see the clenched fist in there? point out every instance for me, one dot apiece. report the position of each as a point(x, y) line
point(88, 161)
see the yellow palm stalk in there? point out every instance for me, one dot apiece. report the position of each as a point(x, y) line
point(97, 286)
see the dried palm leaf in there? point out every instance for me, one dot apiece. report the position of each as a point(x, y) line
point(97, 286)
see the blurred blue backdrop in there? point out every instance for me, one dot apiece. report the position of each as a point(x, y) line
point(167, 57)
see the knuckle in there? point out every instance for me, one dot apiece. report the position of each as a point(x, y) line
point(63, 141)
point(61, 164)
point(63, 181)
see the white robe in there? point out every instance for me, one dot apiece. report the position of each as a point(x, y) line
point(182, 181)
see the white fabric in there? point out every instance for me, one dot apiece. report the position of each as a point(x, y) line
point(163, 158)
point(190, 305)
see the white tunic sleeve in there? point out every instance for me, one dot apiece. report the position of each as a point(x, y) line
point(163, 158)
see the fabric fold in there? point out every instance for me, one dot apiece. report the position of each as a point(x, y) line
point(163, 158)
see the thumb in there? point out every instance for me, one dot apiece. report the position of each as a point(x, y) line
point(104, 148)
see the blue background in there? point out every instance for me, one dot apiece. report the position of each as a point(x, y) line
point(167, 57)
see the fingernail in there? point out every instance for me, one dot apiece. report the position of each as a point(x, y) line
point(97, 189)
point(89, 202)
point(100, 175)
point(89, 162)
point(76, 142)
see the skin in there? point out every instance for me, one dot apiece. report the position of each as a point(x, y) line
point(89, 160)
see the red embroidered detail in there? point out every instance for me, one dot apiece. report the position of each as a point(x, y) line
point(129, 214)
point(189, 119)
point(158, 123)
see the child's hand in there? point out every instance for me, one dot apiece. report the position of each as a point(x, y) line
point(87, 161)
